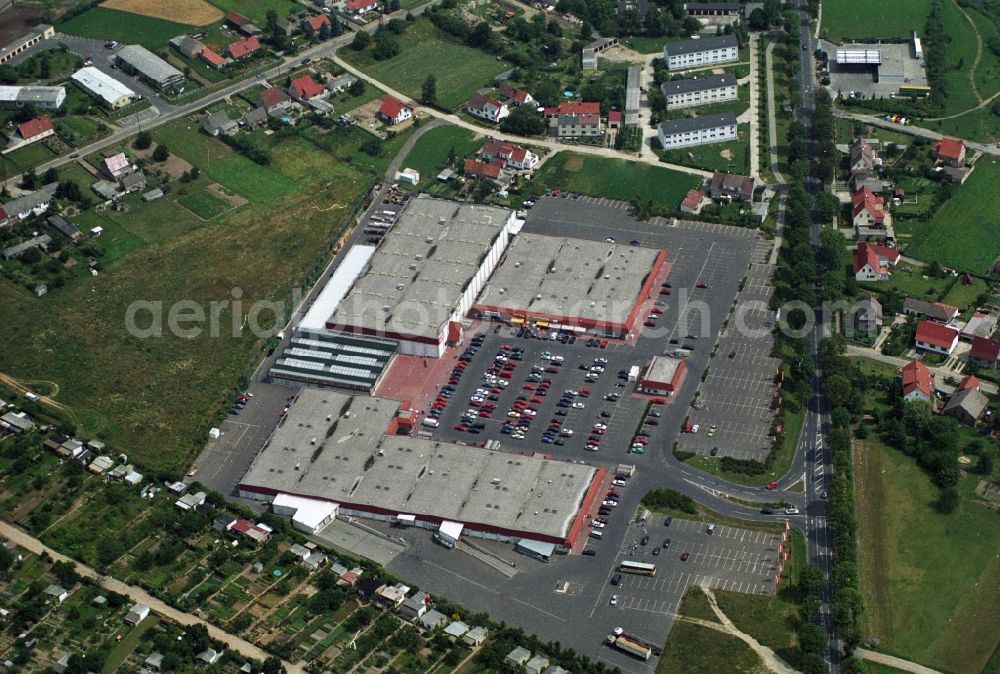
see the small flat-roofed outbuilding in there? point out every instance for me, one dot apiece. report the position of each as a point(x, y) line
point(663, 376)
point(592, 285)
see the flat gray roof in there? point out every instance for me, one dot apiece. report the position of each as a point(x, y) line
point(662, 369)
point(149, 64)
point(419, 272)
point(333, 446)
point(699, 45)
point(697, 84)
point(569, 278)
point(325, 358)
point(672, 126)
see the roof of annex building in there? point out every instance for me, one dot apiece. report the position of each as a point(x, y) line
point(569, 278)
point(333, 446)
point(423, 265)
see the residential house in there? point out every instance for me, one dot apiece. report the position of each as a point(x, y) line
point(359, 8)
point(352, 578)
point(187, 45)
point(209, 656)
point(692, 202)
point(703, 130)
point(985, 353)
point(133, 182)
point(868, 209)
point(153, 663)
point(536, 664)
point(255, 119)
point(615, 119)
point(456, 630)
point(56, 593)
point(258, 534)
point(432, 620)
point(949, 151)
point(41, 241)
point(936, 337)
point(980, 325)
point(689, 93)
point(556, 669)
point(967, 406)
point(514, 156)
point(487, 107)
point(136, 614)
point(339, 84)
point(868, 266)
point(862, 158)
point(191, 501)
point(243, 48)
point(916, 381)
point(314, 24)
point(585, 126)
point(59, 224)
point(273, 99)
point(223, 523)
point(218, 124)
point(936, 311)
point(101, 464)
point(104, 88)
point(393, 111)
point(518, 656)
point(117, 166)
point(35, 129)
point(701, 52)
point(513, 95)
point(868, 316)
point(39, 97)
point(314, 562)
point(213, 59)
point(957, 174)
point(492, 170)
point(573, 108)
point(738, 188)
point(392, 596)
point(303, 88)
point(971, 381)
point(16, 423)
point(369, 588)
point(300, 552)
point(415, 606)
point(475, 637)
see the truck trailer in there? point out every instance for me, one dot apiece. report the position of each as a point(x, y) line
point(632, 644)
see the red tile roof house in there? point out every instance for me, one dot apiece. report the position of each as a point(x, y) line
point(236, 20)
point(573, 109)
point(359, 7)
point(972, 381)
point(872, 261)
point(615, 119)
point(258, 533)
point(304, 88)
point(949, 150)
point(273, 98)
point(35, 129)
point(936, 338)
point(740, 188)
point(692, 202)
point(867, 209)
point(487, 108)
point(515, 156)
point(314, 23)
point(917, 382)
point(243, 48)
point(514, 96)
point(491, 170)
point(213, 59)
point(394, 111)
point(985, 353)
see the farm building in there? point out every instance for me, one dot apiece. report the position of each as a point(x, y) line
point(104, 88)
point(41, 98)
point(149, 67)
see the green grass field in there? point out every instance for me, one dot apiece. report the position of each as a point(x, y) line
point(964, 232)
point(109, 24)
point(961, 55)
point(204, 204)
point(256, 183)
point(931, 582)
point(19, 161)
point(860, 20)
point(732, 156)
point(694, 648)
point(430, 153)
point(460, 70)
point(256, 11)
point(615, 179)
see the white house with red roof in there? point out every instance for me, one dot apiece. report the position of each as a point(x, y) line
point(491, 170)
point(917, 382)
point(359, 7)
point(514, 95)
point(272, 99)
point(581, 108)
point(985, 353)
point(213, 59)
point(487, 107)
point(949, 150)
point(393, 111)
point(304, 88)
point(314, 23)
point(692, 202)
point(872, 261)
point(936, 338)
point(867, 209)
point(29, 132)
point(514, 156)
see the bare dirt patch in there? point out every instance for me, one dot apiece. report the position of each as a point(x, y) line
point(233, 200)
point(573, 164)
point(191, 12)
point(17, 21)
point(726, 154)
point(174, 166)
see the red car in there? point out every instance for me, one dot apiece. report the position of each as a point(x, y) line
point(486, 414)
point(585, 391)
point(650, 324)
point(702, 286)
point(528, 387)
point(604, 343)
point(772, 485)
point(659, 401)
point(656, 310)
point(664, 291)
point(651, 421)
point(536, 400)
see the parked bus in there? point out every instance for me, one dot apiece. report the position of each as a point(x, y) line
point(639, 568)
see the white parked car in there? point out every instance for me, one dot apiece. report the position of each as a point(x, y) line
point(695, 428)
point(578, 406)
point(791, 511)
point(614, 600)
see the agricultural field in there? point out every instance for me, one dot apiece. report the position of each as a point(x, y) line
point(110, 24)
point(115, 383)
point(257, 11)
point(192, 12)
point(425, 50)
point(849, 19)
point(963, 233)
point(614, 179)
point(429, 154)
point(908, 552)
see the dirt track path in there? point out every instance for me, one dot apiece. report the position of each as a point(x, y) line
point(23, 388)
point(979, 51)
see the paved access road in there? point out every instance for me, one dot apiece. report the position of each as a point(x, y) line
point(245, 648)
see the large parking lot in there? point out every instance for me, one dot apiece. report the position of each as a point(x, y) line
point(732, 414)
